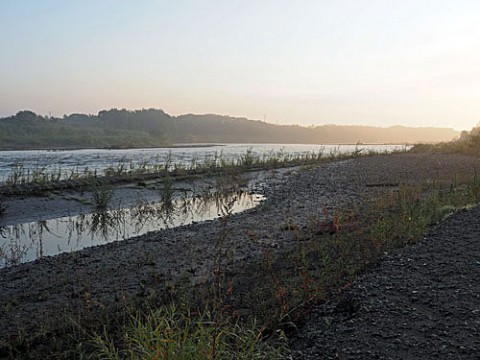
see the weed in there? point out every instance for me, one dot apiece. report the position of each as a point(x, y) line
point(172, 333)
point(334, 153)
point(248, 159)
point(357, 151)
point(167, 192)
point(289, 226)
point(167, 163)
point(20, 176)
point(102, 194)
point(3, 206)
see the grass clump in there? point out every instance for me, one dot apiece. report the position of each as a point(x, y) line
point(167, 192)
point(102, 194)
point(173, 333)
point(3, 206)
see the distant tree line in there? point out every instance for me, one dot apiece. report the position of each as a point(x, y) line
point(152, 127)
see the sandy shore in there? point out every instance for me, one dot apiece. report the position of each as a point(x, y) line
point(140, 267)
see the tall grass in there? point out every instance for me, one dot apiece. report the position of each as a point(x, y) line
point(129, 171)
point(184, 334)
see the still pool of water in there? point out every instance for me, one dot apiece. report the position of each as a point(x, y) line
point(29, 241)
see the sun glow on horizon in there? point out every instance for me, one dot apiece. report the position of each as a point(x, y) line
point(379, 63)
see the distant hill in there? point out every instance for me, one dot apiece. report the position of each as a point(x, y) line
point(152, 127)
point(210, 128)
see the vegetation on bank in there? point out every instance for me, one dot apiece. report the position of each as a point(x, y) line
point(252, 316)
point(23, 181)
point(154, 128)
point(468, 143)
point(284, 285)
point(184, 334)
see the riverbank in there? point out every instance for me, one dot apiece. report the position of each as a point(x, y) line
point(143, 270)
point(71, 148)
point(420, 302)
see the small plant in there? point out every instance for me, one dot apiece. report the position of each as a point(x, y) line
point(334, 153)
point(248, 159)
point(167, 191)
point(475, 186)
point(3, 206)
point(167, 163)
point(102, 194)
point(167, 194)
point(357, 151)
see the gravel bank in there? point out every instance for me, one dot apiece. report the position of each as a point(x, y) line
point(136, 268)
point(422, 302)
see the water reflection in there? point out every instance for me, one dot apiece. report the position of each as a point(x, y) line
point(29, 241)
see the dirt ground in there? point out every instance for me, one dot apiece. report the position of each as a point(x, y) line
point(139, 267)
point(422, 302)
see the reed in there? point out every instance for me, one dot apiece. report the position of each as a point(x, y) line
point(46, 176)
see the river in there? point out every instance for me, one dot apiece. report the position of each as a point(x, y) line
point(66, 162)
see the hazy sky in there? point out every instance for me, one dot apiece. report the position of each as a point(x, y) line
point(371, 62)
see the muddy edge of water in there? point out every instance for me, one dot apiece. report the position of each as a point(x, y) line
point(49, 287)
point(61, 203)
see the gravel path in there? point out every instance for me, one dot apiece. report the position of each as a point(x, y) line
point(137, 268)
point(422, 302)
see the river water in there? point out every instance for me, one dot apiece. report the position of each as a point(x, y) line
point(64, 162)
point(25, 242)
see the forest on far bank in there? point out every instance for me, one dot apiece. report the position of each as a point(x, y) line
point(152, 127)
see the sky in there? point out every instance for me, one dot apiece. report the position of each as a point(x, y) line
point(363, 62)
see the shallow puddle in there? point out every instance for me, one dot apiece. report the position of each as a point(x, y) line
point(29, 241)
